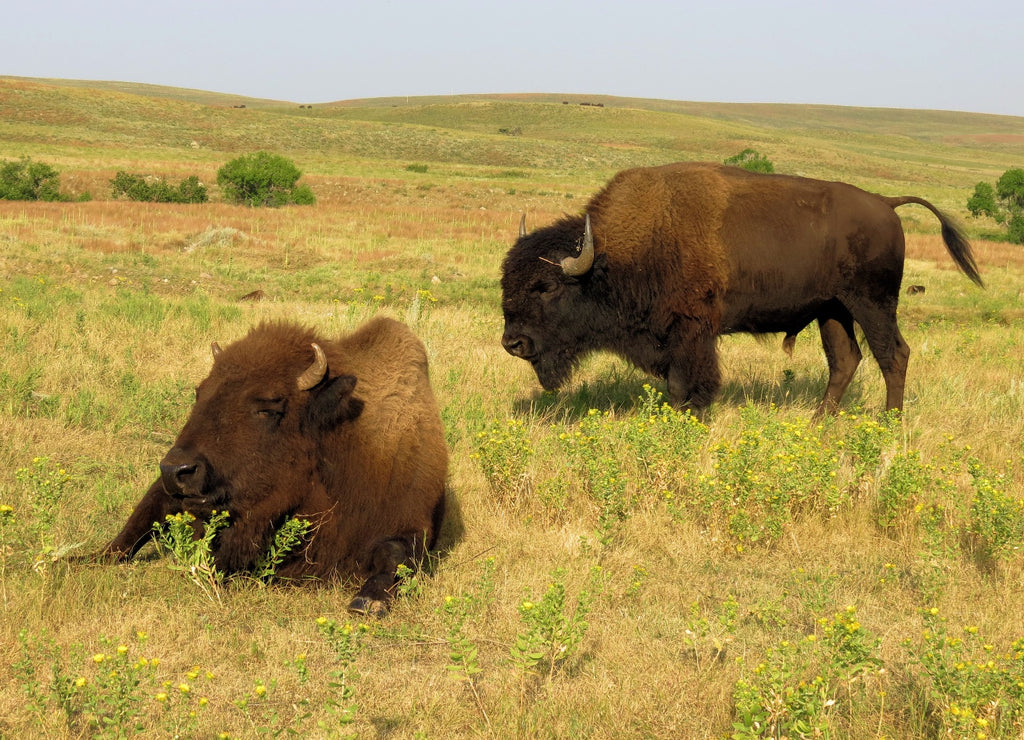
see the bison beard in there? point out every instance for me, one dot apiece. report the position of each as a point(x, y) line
point(667, 259)
point(345, 434)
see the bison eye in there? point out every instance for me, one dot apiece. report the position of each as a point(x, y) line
point(545, 287)
point(270, 408)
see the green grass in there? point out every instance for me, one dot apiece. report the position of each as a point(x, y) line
point(612, 568)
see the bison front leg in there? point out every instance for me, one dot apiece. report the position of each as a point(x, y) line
point(154, 508)
point(693, 374)
point(374, 598)
point(239, 546)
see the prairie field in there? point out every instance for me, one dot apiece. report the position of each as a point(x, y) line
point(610, 567)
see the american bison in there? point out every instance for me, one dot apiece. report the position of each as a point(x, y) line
point(343, 433)
point(666, 259)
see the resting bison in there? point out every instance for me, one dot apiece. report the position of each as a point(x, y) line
point(668, 258)
point(345, 434)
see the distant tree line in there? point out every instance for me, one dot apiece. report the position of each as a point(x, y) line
point(260, 179)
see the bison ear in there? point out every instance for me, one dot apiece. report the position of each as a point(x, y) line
point(332, 404)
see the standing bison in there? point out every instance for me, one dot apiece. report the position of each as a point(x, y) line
point(345, 434)
point(668, 258)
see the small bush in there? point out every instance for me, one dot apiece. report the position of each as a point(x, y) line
point(24, 179)
point(263, 179)
point(157, 190)
point(752, 160)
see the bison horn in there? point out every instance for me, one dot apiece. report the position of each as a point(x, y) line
point(315, 372)
point(215, 348)
point(522, 226)
point(581, 264)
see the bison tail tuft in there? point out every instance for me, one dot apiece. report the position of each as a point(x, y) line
point(956, 243)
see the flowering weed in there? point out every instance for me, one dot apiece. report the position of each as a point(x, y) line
point(976, 691)
point(504, 451)
point(773, 472)
point(996, 517)
point(463, 655)
point(553, 633)
point(795, 689)
point(664, 442)
point(593, 443)
point(901, 489)
point(346, 642)
point(110, 692)
point(47, 489)
point(288, 537)
point(190, 543)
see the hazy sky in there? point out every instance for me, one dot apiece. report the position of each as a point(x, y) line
point(940, 54)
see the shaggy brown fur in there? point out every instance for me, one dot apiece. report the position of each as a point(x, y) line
point(684, 253)
point(361, 455)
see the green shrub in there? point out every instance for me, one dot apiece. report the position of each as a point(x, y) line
point(1004, 203)
point(263, 179)
point(752, 160)
point(157, 190)
point(24, 179)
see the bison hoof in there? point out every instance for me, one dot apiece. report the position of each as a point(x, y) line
point(369, 607)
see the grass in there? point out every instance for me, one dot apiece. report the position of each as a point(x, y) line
point(614, 569)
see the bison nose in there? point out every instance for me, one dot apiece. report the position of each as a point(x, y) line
point(517, 346)
point(182, 475)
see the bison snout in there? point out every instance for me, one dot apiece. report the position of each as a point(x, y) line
point(518, 346)
point(182, 475)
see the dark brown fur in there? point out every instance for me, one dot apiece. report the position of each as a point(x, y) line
point(687, 252)
point(361, 455)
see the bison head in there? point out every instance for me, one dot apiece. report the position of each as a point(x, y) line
point(550, 287)
point(257, 420)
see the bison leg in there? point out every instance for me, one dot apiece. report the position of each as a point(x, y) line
point(154, 507)
point(889, 348)
point(375, 596)
point(843, 354)
point(893, 356)
point(693, 375)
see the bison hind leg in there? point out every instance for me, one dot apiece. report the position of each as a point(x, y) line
point(843, 355)
point(374, 598)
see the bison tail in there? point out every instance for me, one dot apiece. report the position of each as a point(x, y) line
point(956, 243)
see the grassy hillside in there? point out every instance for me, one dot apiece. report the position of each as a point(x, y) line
point(935, 154)
point(611, 568)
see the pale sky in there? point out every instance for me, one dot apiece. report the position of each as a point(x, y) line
point(945, 55)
